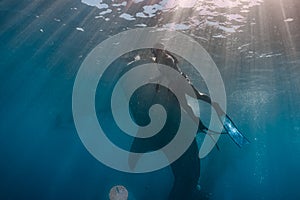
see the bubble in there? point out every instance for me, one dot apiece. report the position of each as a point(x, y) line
point(118, 192)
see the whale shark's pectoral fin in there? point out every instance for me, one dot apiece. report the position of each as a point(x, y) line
point(233, 132)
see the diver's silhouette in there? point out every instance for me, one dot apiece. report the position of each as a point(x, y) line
point(186, 169)
point(164, 57)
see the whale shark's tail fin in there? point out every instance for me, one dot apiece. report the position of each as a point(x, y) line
point(233, 132)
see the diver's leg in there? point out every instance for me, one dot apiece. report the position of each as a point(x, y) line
point(188, 109)
point(201, 127)
point(135, 147)
point(186, 172)
point(228, 124)
point(204, 97)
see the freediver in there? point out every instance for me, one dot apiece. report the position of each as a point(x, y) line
point(186, 169)
point(162, 56)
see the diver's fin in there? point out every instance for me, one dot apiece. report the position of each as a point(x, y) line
point(233, 132)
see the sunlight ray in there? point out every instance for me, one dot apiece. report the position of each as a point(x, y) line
point(289, 45)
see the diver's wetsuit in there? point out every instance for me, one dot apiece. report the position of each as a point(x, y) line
point(187, 168)
point(166, 58)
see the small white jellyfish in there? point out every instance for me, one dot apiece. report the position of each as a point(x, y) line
point(118, 192)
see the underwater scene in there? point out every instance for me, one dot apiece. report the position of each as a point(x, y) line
point(150, 99)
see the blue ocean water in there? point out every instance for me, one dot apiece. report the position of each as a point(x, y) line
point(255, 45)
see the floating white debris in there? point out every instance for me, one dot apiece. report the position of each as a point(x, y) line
point(138, 57)
point(141, 14)
point(57, 20)
point(79, 29)
point(98, 16)
point(118, 192)
point(102, 6)
point(97, 3)
point(289, 20)
point(175, 26)
point(245, 11)
point(105, 12)
point(207, 12)
point(235, 17)
point(41, 30)
point(269, 55)
point(178, 3)
point(244, 45)
point(210, 23)
point(218, 36)
point(140, 25)
point(227, 29)
point(127, 16)
point(152, 9)
point(124, 3)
